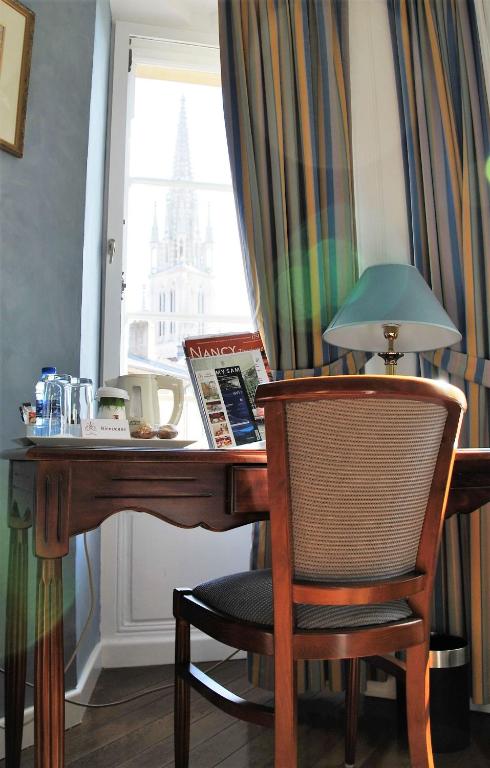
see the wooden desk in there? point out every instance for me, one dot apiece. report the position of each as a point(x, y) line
point(64, 492)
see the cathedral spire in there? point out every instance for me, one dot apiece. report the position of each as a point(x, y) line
point(155, 238)
point(182, 158)
point(209, 226)
point(182, 217)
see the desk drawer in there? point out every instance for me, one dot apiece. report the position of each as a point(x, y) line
point(249, 492)
point(150, 479)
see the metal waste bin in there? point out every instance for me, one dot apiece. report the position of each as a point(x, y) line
point(449, 693)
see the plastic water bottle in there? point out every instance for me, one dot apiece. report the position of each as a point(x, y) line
point(41, 409)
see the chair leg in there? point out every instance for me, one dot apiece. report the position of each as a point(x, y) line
point(418, 722)
point(285, 714)
point(182, 694)
point(351, 710)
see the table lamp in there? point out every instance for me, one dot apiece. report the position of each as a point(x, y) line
point(392, 303)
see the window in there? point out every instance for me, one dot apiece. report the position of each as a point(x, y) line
point(181, 254)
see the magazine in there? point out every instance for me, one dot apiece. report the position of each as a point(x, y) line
point(225, 372)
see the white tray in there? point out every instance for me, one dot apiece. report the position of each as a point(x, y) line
point(155, 443)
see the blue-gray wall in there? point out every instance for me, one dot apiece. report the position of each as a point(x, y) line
point(51, 211)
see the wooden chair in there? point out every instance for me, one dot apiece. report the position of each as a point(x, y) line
point(358, 473)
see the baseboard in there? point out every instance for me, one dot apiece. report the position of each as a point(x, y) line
point(73, 714)
point(85, 687)
point(144, 649)
point(131, 650)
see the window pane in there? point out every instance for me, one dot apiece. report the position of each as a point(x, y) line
point(184, 270)
point(174, 272)
point(155, 128)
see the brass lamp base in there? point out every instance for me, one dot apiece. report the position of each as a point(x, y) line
point(390, 357)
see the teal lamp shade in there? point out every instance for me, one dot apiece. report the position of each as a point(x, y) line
point(392, 295)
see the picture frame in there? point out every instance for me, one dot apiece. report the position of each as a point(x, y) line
point(16, 34)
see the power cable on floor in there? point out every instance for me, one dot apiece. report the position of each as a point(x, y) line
point(127, 699)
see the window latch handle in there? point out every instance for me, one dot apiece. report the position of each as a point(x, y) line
point(111, 249)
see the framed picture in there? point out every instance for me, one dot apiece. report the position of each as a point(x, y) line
point(16, 30)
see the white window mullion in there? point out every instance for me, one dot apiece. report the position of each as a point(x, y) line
point(116, 206)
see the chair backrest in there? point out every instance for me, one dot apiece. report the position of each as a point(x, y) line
point(359, 469)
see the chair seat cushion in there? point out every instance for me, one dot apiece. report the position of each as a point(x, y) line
point(248, 597)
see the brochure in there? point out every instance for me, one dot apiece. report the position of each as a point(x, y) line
point(225, 371)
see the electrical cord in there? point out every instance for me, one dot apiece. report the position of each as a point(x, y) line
point(133, 696)
point(90, 614)
point(86, 624)
point(146, 691)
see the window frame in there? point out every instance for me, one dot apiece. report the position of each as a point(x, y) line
point(127, 37)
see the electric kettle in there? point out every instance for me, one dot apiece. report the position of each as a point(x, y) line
point(143, 405)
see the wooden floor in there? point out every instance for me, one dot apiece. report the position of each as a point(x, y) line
point(139, 734)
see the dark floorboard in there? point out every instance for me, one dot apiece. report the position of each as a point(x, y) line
point(139, 734)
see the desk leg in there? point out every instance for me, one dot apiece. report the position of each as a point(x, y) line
point(15, 646)
point(49, 706)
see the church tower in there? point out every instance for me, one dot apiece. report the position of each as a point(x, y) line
point(180, 281)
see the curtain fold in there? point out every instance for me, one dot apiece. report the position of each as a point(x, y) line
point(285, 85)
point(284, 67)
point(444, 110)
point(482, 11)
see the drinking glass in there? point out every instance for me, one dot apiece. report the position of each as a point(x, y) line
point(79, 404)
point(54, 410)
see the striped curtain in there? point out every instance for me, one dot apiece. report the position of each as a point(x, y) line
point(285, 85)
point(446, 141)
